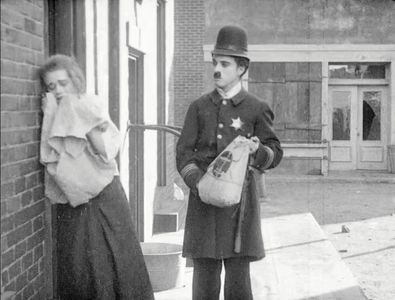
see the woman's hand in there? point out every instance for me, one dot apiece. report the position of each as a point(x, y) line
point(96, 139)
point(103, 127)
point(48, 103)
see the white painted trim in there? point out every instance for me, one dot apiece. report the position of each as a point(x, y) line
point(89, 47)
point(305, 150)
point(324, 116)
point(391, 105)
point(326, 52)
point(322, 47)
point(315, 47)
point(303, 145)
point(358, 82)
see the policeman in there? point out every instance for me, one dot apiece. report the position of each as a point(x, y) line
point(211, 123)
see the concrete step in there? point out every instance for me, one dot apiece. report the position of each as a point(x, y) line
point(300, 263)
point(170, 217)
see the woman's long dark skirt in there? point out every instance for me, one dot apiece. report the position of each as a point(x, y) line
point(99, 256)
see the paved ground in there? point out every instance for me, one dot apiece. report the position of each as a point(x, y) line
point(364, 204)
point(300, 263)
point(329, 201)
point(369, 252)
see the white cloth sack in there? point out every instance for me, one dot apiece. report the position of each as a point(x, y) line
point(74, 173)
point(222, 184)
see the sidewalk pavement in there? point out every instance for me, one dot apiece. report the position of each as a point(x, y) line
point(363, 202)
point(339, 198)
point(300, 263)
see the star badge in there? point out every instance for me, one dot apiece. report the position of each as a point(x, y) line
point(237, 123)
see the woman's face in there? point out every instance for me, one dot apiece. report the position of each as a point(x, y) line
point(59, 84)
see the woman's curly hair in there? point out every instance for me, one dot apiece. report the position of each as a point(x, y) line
point(67, 63)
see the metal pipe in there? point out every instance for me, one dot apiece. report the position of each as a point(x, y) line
point(175, 130)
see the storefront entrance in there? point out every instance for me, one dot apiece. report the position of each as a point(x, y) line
point(357, 124)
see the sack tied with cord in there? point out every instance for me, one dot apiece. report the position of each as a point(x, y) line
point(222, 184)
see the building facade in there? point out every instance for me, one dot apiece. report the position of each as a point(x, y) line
point(126, 50)
point(326, 69)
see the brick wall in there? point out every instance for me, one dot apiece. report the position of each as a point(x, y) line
point(187, 78)
point(188, 51)
point(22, 193)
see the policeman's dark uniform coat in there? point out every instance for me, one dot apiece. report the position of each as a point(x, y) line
point(210, 125)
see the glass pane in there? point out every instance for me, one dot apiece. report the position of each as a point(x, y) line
point(341, 116)
point(371, 116)
point(357, 71)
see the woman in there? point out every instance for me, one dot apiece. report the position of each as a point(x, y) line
point(99, 256)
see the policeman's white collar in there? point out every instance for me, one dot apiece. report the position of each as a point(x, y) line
point(231, 93)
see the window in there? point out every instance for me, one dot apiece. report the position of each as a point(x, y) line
point(341, 115)
point(371, 116)
point(356, 71)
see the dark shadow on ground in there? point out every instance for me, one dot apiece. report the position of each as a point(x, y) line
point(369, 252)
point(294, 245)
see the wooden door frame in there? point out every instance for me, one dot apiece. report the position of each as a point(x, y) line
point(114, 62)
point(65, 34)
point(66, 29)
point(161, 89)
point(50, 210)
point(136, 141)
point(353, 122)
point(383, 122)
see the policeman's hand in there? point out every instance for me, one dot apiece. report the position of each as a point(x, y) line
point(193, 179)
point(254, 145)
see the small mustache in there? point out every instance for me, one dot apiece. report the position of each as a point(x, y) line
point(217, 75)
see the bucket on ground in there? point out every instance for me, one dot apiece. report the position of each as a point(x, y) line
point(166, 266)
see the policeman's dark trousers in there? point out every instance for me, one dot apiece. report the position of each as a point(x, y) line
point(207, 279)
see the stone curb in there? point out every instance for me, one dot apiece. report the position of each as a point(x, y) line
point(329, 179)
